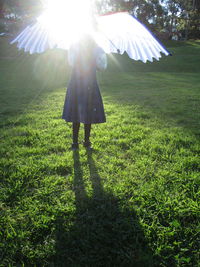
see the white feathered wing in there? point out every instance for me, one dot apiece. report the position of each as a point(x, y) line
point(121, 32)
point(117, 33)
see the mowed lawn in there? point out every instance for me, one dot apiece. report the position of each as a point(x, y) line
point(134, 200)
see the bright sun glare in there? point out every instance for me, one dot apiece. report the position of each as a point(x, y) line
point(67, 20)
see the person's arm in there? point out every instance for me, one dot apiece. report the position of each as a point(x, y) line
point(101, 60)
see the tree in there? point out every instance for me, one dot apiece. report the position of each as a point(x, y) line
point(176, 15)
point(2, 10)
point(190, 18)
point(149, 12)
point(19, 8)
point(184, 16)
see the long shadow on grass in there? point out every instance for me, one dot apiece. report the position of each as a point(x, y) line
point(103, 234)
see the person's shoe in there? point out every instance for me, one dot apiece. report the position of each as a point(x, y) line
point(74, 146)
point(87, 145)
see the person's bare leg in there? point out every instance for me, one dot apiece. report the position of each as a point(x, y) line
point(87, 128)
point(75, 130)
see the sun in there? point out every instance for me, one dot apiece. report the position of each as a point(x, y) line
point(67, 20)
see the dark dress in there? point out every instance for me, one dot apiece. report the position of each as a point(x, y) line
point(83, 102)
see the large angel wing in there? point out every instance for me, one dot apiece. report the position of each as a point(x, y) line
point(116, 33)
point(34, 39)
point(37, 38)
point(121, 32)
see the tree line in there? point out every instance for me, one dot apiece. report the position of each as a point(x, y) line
point(178, 17)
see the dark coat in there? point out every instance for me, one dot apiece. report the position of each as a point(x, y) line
point(83, 102)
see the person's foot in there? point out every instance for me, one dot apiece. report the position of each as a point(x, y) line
point(87, 145)
point(74, 146)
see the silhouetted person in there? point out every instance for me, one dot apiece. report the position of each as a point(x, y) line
point(83, 102)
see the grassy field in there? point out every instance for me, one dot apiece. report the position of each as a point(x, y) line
point(134, 200)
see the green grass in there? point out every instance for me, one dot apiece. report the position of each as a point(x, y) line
point(134, 201)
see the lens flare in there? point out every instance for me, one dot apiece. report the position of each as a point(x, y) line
point(67, 20)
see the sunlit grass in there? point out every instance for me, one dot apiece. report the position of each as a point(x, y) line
point(134, 200)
